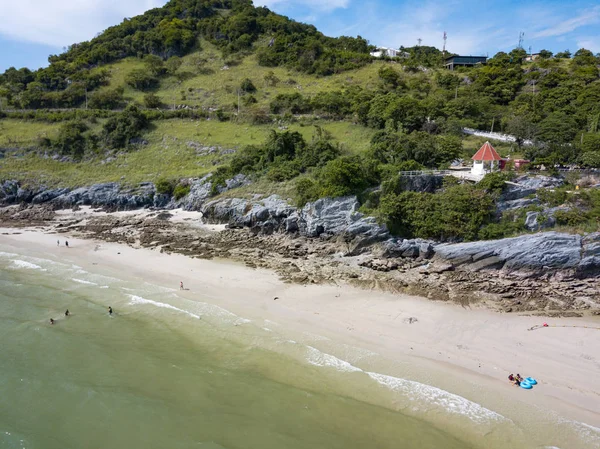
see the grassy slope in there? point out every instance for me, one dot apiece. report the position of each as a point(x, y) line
point(167, 152)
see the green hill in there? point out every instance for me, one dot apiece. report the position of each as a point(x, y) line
point(170, 93)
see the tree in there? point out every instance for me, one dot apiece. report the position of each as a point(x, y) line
point(172, 64)
point(119, 130)
point(106, 99)
point(545, 54)
point(155, 65)
point(141, 79)
point(563, 54)
point(389, 76)
point(71, 139)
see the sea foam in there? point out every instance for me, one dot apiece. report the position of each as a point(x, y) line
point(26, 265)
point(139, 300)
point(452, 403)
point(81, 281)
point(319, 358)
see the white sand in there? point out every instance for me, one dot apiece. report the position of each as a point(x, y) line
point(469, 352)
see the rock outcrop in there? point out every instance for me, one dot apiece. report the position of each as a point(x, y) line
point(534, 253)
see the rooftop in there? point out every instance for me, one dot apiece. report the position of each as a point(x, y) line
point(486, 153)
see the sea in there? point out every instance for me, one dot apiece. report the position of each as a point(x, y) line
point(164, 372)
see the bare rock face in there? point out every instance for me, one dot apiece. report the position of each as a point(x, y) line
point(538, 253)
point(326, 217)
point(528, 185)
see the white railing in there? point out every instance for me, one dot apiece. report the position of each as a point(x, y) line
point(495, 136)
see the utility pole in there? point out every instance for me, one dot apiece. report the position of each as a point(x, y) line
point(521, 37)
point(444, 48)
point(238, 113)
point(419, 40)
point(493, 120)
point(86, 100)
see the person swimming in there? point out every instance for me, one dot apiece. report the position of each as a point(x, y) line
point(67, 313)
point(52, 321)
point(110, 310)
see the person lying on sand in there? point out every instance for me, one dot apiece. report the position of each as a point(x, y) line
point(67, 313)
point(514, 380)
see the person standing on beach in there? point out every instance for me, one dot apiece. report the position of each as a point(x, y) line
point(51, 321)
point(110, 310)
point(58, 243)
point(66, 243)
point(180, 285)
point(67, 313)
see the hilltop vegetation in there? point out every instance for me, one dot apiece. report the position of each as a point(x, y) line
point(222, 87)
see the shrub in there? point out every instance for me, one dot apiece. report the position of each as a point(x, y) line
point(120, 129)
point(572, 217)
point(345, 176)
point(165, 186)
point(457, 213)
point(152, 101)
point(141, 79)
point(71, 139)
point(248, 86)
point(306, 191)
point(106, 99)
point(284, 171)
point(181, 190)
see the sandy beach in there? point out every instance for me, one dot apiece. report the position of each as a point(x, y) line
point(466, 351)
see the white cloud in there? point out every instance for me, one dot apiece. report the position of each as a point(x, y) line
point(428, 23)
point(327, 5)
point(560, 27)
point(60, 23)
point(591, 43)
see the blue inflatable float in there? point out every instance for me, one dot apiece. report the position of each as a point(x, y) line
point(531, 380)
point(526, 385)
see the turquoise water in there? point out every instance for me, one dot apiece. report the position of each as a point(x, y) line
point(166, 372)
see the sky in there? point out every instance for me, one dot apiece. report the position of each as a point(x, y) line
point(30, 30)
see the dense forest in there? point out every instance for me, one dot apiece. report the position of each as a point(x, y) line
point(414, 108)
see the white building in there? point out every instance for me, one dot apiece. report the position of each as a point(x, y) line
point(384, 51)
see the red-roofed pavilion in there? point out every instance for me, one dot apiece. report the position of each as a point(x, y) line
point(486, 160)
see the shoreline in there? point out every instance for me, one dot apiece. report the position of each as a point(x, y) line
point(468, 351)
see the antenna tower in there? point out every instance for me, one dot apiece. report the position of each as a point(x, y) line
point(444, 49)
point(419, 40)
point(521, 36)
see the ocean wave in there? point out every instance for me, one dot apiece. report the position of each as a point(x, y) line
point(3, 254)
point(17, 263)
point(450, 402)
point(590, 433)
point(139, 300)
point(81, 281)
point(319, 358)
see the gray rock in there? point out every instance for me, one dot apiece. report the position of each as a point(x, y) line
point(528, 185)
point(199, 193)
point(503, 206)
point(48, 195)
point(414, 248)
point(534, 252)
point(535, 221)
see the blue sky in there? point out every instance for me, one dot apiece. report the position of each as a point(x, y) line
point(37, 28)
